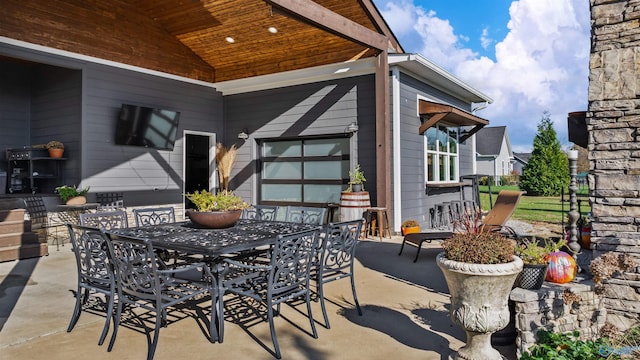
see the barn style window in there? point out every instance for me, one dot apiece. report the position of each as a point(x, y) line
point(441, 161)
point(304, 172)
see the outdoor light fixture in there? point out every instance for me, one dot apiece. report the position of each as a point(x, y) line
point(352, 128)
point(243, 135)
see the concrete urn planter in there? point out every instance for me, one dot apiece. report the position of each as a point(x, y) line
point(479, 302)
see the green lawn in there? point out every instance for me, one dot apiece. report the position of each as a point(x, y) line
point(537, 208)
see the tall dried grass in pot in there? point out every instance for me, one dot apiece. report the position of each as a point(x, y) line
point(225, 158)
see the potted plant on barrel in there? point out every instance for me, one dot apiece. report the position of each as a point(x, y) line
point(71, 195)
point(215, 210)
point(480, 268)
point(357, 179)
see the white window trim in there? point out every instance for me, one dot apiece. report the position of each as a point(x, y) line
point(437, 152)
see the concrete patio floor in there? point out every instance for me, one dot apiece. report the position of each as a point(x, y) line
point(405, 316)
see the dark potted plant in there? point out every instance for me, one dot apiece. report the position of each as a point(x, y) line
point(71, 195)
point(357, 179)
point(480, 268)
point(55, 148)
point(534, 255)
point(215, 210)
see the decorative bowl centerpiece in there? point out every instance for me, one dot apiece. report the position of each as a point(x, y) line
point(215, 211)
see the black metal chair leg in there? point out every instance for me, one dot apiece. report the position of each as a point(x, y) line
point(418, 252)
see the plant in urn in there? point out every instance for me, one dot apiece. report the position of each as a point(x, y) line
point(480, 268)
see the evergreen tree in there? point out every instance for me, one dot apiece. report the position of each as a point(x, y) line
point(547, 171)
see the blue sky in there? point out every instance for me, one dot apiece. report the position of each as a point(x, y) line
point(529, 56)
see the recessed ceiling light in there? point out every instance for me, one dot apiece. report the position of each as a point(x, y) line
point(272, 30)
point(230, 40)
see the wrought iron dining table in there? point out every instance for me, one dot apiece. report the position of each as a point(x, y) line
point(188, 238)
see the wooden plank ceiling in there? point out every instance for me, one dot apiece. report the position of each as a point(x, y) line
point(188, 37)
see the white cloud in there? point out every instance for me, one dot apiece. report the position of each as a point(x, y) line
point(485, 40)
point(541, 64)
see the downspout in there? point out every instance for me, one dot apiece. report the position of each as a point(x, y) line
point(474, 162)
point(395, 115)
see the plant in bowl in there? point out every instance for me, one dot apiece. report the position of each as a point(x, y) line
point(69, 193)
point(215, 210)
point(480, 268)
point(410, 226)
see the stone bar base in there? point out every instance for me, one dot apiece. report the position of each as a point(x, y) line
point(557, 307)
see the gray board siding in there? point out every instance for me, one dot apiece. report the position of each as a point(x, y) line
point(84, 99)
point(416, 199)
point(15, 113)
point(137, 170)
point(322, 108)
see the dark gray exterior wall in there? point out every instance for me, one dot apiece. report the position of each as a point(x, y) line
point(322, 108)
point(77, 102)
point(416, 199)
point(137, 170)
point(15, 105)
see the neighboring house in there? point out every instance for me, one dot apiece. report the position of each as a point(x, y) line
point(303, 105)
point(494, 157)
point(520, 160)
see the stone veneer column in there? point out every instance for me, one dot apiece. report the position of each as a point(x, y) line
point(613, 120)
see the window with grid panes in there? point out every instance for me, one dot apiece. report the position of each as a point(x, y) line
point(441, 160)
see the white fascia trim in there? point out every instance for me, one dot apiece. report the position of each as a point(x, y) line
point(397, 155)
point(400, 58)
point(298, 77)
point(72, 55)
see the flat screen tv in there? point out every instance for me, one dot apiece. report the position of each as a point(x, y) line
point(145, 126)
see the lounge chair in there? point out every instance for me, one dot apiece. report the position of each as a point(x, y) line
point(503, 208)
point(495, 220)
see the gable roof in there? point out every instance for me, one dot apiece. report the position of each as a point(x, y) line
point(522, 158)
point(489, 140)
point(188, 38)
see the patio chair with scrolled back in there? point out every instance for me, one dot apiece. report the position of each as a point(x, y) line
point(261, 212)
point(105, 220)
point(154, 216)
point(305, 214)
point(283, 279)
point(142, 281)
point(95, 274)
point(336, 259)
point(110, 201)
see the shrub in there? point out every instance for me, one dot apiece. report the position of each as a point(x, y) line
point(554, 346)
point(410, 223)
point(547, 171)
point(531, 252)
point(54, 145)
point(479, 248)
point(222, 201)
point(67, 192)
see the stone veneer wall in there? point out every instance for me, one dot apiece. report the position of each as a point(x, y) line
point(613, 121)
point(548, 308)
